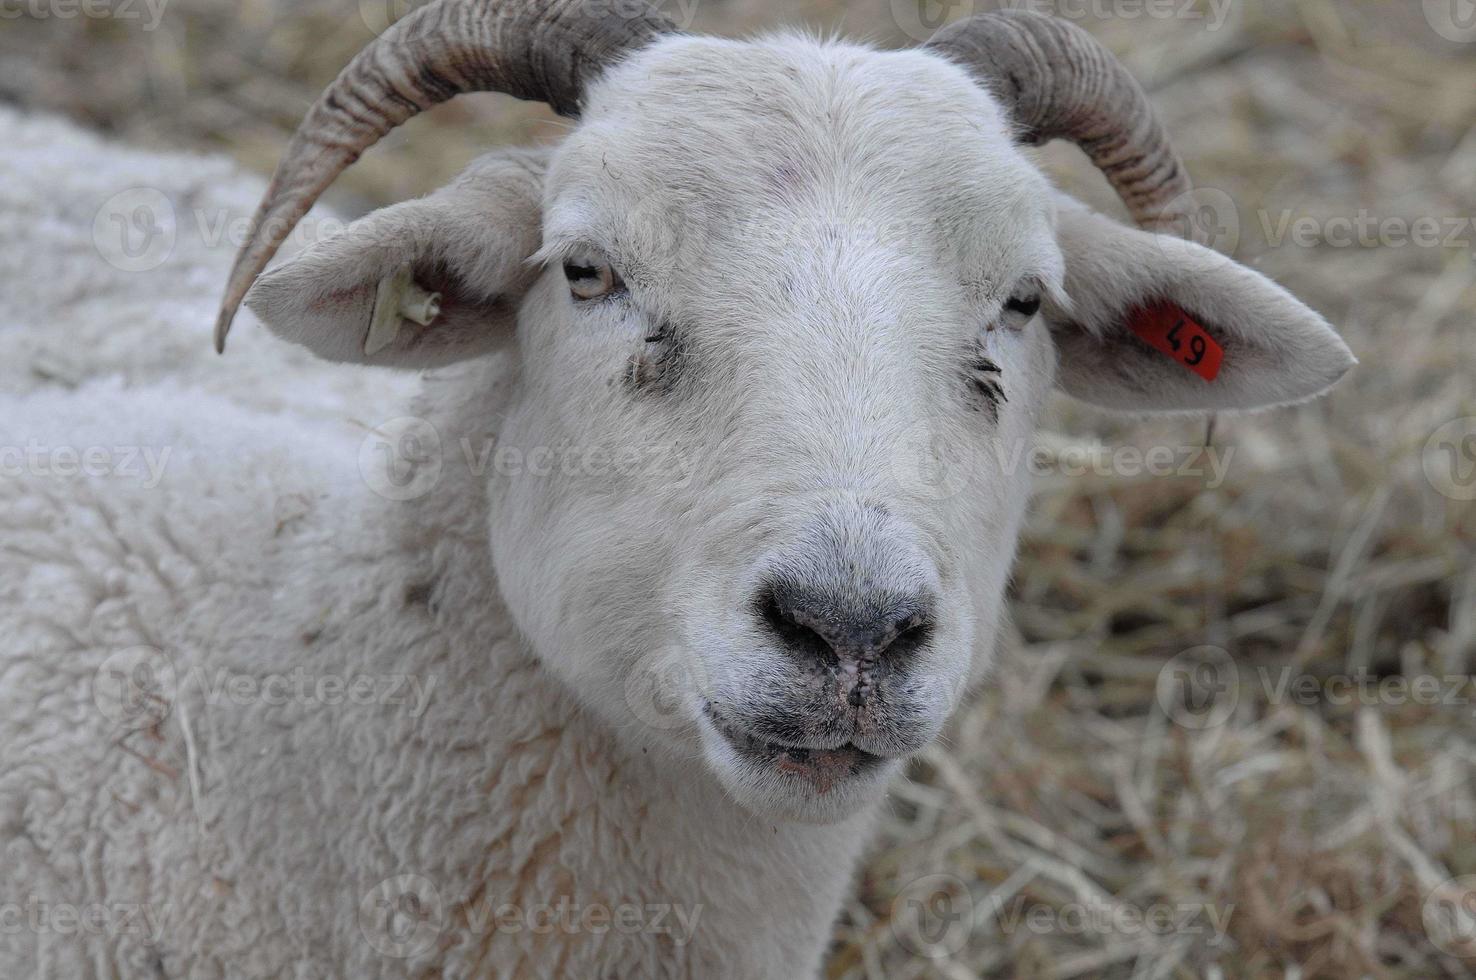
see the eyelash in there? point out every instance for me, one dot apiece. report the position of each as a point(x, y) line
point(984, 377)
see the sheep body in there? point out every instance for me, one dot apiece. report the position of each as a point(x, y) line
point(256, 823)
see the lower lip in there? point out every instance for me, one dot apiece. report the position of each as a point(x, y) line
point(821, 768)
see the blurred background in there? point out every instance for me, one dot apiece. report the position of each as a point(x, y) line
point(1236, 735)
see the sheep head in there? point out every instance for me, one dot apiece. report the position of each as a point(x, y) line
point(787, 279)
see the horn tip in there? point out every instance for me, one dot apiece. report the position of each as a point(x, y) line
point(223, 327)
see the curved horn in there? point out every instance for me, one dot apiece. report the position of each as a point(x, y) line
point(1059, 82)
point(542, 50)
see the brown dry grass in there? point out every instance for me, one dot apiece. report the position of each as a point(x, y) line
point(1080, 787)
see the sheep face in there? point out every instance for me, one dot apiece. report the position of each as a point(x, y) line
point(783, 323)
point(793, 312)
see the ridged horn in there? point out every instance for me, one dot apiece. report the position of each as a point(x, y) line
point(541, 50)
point(1059, 82)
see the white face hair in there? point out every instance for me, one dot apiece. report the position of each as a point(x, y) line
point(780, 280)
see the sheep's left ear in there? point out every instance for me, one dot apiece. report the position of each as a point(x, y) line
point(1159, 324)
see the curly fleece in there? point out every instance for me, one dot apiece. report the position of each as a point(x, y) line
point(256, 721)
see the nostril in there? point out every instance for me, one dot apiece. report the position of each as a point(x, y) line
point(794, 634)
point(815, 625)
point(915, 633)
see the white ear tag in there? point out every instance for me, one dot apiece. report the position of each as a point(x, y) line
point(398, 296)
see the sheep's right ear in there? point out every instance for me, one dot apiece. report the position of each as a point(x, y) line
point(418, 284)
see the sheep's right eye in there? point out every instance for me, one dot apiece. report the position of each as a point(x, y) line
point(1021, 308)
point(1026, 306)
point(592, 279)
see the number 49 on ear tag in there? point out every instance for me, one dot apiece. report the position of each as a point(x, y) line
point(1167, 328)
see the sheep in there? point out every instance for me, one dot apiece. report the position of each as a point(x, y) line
point(653, 585)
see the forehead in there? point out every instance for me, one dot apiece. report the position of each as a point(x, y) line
point(788, 142)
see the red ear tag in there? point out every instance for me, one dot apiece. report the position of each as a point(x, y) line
point(1166, 328)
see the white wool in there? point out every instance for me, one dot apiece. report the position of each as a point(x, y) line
point(245, 838)
point(85, 317)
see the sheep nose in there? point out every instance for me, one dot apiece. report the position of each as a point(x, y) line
point(840, 629)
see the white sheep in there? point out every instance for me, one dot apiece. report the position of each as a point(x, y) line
point(605, 669)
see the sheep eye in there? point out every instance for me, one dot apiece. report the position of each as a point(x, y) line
point(1021, 309)
point(591, 279)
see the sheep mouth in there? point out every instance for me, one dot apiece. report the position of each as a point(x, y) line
point(823, 769)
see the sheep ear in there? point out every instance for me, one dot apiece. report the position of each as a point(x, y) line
point(1154, 323)
point(418, 284)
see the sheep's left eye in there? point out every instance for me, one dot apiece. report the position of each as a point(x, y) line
point(590, 278)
